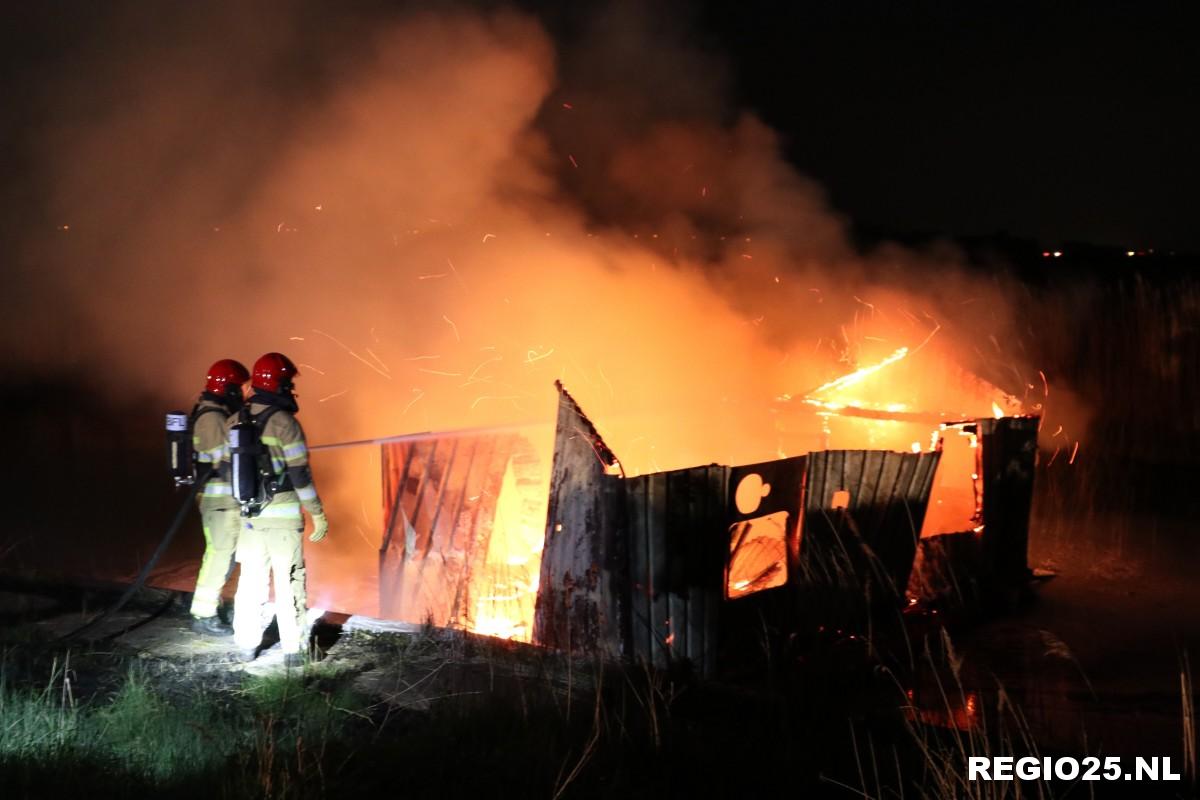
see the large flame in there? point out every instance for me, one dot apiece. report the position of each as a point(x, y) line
point(881, 406)
point(866, 420)
point(506, 592)
point(852, 378)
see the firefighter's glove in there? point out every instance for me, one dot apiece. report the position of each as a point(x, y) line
point(320, 527)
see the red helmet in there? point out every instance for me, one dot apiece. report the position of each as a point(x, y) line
point(273, 372)
point(225, 374)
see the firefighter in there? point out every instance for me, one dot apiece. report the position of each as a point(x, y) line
point(270, 541)
point(222, 398)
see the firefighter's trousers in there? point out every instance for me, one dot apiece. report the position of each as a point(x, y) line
point(222, 521)
point(265, 547)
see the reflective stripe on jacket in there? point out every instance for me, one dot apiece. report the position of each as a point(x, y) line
point(284, 439)
point(210, 443)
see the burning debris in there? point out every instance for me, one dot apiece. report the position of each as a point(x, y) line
point(656, 567)
point(462, 531)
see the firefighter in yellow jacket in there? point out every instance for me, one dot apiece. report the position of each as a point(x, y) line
point(270, 541)
point(221, 398)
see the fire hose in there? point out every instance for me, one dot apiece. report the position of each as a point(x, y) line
point(140, 581)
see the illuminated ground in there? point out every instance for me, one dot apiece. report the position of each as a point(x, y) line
point(1093, 665)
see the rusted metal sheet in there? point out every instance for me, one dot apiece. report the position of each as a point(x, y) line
point(1007, 457)
point(583, 571)
point(863, 513)
point(439, 497)
point(675, 534)
point(764, 498)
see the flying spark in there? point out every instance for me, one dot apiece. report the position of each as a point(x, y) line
point(420, 394)
point(457, 277)
point(472, 377)
point(378, 361)
point(481, 398)
point(351, 352)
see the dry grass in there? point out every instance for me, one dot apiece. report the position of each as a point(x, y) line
point(1187, 695)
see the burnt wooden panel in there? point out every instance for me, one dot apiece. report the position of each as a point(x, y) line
point(583, 571)
point(675, 526)
point(657, 556)
point(712, 601)
point(462, 526)
point(439, 497)
point(472, 522)
point(638, 612)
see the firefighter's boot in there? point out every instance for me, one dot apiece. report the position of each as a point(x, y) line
point(212, 626)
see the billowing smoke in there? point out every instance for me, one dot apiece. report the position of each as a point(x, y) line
point(438, 214)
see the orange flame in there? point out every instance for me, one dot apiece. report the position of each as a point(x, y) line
point(858, 375)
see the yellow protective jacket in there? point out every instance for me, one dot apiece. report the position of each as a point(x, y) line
point(211, 446)
point(284, 439)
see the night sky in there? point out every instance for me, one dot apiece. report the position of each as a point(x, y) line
point(1035, 119)
point(1038, 120)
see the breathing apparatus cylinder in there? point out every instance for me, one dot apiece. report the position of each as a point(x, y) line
point(180, 455)
point(244, 451)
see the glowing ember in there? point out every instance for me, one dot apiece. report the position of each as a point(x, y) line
point(500, 627)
